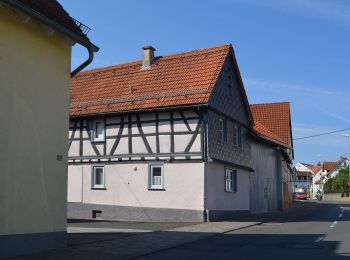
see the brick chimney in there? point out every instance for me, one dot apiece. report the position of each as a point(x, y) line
point(148, 57)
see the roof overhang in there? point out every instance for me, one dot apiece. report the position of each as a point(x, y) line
point(84, 41)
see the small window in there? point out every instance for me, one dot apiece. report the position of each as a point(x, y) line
point(222, 130)
point(231, 180)
point(98, 177)
point(237, 138)
point(229, 90)
point(98, 131)
point(156, 180)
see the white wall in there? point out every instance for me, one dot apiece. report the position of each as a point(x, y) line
point(217, 198)
point(125, 186)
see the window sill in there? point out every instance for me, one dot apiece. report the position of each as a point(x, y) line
point(98, 188)
point(98, 141)
point(157, 189)
point(230, 191)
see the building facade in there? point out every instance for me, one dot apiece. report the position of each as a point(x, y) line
point(34, 101)
point(272, 155)
point(162, 139)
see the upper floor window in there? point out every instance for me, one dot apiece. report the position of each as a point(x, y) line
point(229, 90)
point(156, 179)
point(231, 180)
point(237, 136)
point(222, 130)
point(98, 177)
point(98, 131)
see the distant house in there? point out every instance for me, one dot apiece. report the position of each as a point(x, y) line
point(35, 49)
point(328, 170)
point(317, 179)
point(161, 139)
point(272, 155)
point(303, 181)
point(340, 164)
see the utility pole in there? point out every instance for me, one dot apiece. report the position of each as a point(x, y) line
point(348, 136)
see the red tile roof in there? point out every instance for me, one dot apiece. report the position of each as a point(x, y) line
point(173, 80)
point(329, 166)
point(53, 10)
point(315, 168)
point(272, 121)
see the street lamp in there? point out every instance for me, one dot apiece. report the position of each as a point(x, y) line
point(348, 136)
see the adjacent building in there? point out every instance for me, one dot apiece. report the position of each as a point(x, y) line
point(161, 139)
point(35, 46)
point(272, 155)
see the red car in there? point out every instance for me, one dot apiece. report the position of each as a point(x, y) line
point(300, 196)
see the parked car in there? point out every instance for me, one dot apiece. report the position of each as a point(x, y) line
point(300, 196)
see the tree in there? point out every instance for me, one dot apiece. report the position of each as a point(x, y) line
point(339, 183)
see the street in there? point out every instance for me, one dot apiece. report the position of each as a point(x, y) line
point(309, 230)
point(324, 234)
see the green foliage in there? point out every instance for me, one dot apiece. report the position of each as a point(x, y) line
point(339, 182)
point(328, 186)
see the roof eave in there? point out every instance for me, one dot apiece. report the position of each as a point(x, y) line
point(49, 22)
point(167, 108)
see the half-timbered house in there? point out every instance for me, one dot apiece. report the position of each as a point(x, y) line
point(161, 139)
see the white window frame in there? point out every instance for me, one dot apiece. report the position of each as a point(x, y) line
point(151, 186)
point(93, 184)
point(94, 129)
point(231, 182)
point(222, 130)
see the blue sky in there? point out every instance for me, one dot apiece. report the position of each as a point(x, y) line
point(291, 50)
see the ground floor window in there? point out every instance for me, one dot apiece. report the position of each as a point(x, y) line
point(156, 178)
point(98, 177)
point(231, 180)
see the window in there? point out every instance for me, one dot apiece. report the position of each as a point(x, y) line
point(98, 131)
point(156, 180)
point(229, 90)
point(98, 177)
point(231, 180)
point(222, 130)
point(237, 136)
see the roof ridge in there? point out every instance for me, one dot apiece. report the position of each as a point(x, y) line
point(168, 56)
point(271, 103)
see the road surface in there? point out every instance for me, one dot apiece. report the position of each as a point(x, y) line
point(322, 234)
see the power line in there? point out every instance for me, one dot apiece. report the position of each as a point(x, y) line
point(327, 133)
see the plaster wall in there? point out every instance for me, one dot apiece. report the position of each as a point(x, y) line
point(34, 102)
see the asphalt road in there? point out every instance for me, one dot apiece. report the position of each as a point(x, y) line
point(322, 234)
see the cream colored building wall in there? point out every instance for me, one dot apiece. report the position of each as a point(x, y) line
point(34, 102)
point(127, 185)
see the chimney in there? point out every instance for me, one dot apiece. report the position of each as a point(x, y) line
point(148, 57)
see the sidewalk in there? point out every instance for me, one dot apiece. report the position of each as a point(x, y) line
point(142, 244)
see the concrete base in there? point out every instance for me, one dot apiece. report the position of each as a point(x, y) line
point(112, 212)
point(22, 244)
point(227, 215)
